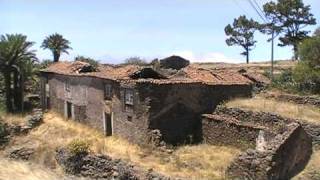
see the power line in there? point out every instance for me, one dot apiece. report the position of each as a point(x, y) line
point(261, 11)
point(257, 11)
point(237, 3)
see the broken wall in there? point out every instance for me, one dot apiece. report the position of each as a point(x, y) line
point(220, 130)
point(175, 109)
point(284, 157)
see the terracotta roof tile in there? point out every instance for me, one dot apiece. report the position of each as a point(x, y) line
point(122, 73)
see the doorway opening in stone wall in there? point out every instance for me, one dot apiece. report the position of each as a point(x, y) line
point(108, 124)
point(69, 110)
point(48, 102)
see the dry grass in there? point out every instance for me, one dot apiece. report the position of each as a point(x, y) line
point(286, 109)
point(12, 118)
point(26, 171)
point(196, 162)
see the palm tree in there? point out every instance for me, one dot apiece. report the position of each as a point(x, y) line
point(57, 44)
point(14, 54)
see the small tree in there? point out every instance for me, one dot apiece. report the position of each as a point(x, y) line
point(241, 33)
point(57, 45)
point(290, 17)
point(135, 61)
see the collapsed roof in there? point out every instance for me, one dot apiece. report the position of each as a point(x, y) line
point(137, 73)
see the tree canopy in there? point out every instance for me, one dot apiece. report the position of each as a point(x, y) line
point(16, 62)
point(57, 44)
point(289, 17)
point(241, 33)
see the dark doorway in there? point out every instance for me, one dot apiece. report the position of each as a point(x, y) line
point(69, 110)
point(107, 124)
point(48, 103)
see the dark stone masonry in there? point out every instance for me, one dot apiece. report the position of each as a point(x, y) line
point(149, 108)
point(132, 101)
point(279, 148)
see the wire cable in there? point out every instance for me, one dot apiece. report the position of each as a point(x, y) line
point(257, 11)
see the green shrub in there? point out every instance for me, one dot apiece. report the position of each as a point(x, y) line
point(309, 51)
point(78, 147)
point(285, 81)
point(307, 77)
point(303, 79)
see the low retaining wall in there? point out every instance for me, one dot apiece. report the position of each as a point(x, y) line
point(279, 147)
point(273, 121)
point(309, 100)
point(284, 157)
point(221, 130)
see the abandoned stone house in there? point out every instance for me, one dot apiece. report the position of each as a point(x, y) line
point(131, 101)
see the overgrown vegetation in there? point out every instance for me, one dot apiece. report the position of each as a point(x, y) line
point(94, 63)
point(195, 162)
point(305, 77)
point(78, 147)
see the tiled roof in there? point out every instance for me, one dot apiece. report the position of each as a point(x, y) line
point(104, 71)
point(189, 74)
point(215, 76)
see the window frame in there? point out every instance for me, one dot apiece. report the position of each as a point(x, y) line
point(107, 89)
point(67, 86)
point(129, 100)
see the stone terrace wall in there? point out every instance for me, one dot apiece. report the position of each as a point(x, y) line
point(285, 156)
point(223, 130)
point(272, 121)
point(295, 99)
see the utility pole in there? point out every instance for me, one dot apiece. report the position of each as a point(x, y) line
point(272, 54)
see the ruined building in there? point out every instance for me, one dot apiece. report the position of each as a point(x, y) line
point(133, 101)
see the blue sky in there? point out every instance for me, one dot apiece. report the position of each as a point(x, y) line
point(112, 30)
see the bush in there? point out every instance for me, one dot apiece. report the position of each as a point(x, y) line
point(309, 51)
point(78, 147)
point(303, 79)
point(307, 77)
point(136, 61)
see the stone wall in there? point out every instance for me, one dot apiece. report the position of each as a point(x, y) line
point(273, 121)
point(284, 157)
point(89, 105)
point(308, 100)
point(223, 130)
point(175, 109)
point(281, 152)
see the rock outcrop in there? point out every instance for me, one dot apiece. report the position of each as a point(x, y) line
point(102, 167)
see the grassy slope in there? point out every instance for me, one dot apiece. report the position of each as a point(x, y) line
point(291, 110)
point(286, 109)
point(196, 162)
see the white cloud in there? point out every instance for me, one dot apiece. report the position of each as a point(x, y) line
point(206, 57)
